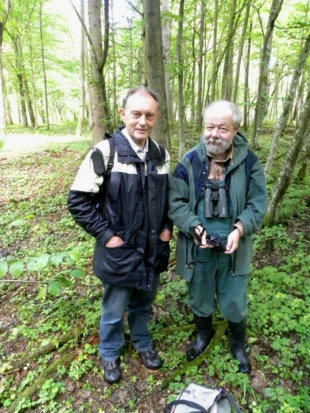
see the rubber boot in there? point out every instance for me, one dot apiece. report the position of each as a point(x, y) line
point(237, 345)
point(203, 338)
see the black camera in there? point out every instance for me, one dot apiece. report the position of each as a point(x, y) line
point(215, 200)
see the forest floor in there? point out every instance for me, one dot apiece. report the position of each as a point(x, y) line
point(50, 306)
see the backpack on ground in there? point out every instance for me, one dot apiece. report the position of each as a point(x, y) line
point(196, 398)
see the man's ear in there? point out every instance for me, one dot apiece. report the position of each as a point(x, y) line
point(122, 112)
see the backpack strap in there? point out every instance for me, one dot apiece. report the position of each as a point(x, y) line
point(162, 150)
point(198, 408)
point(112, 154)
point(97, 157)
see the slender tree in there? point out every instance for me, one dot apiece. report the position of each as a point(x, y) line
point(43, 69)
point(78, 130)
point(286, 175)
point(263, 82)
point(2, 108)
point(288, 104)
point(200, 65)
point(166, 4)
point(155, 65)
point(180, 79)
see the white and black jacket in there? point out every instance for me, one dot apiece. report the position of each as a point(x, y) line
point(131, 203)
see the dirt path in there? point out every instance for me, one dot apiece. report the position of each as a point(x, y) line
point(16, 144)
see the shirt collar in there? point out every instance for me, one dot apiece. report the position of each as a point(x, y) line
point(133, 144)
point(229, 156)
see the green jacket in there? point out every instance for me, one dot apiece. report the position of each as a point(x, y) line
point(248, 199)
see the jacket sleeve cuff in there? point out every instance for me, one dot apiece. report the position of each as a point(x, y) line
point(239, 226)
point(105, 237)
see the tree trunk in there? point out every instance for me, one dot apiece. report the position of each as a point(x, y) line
point(200, 66)
point(155, 66)
point(193, 78)
point(78, 131)
point(2, 107)
point(29, 103)
point(246, 83)
point(286, 174)
point(228, 61)
point(263, 82)
point(214, 51)
point(96, 87)
point(180, 79)
point(166, 51)
point(43, 69)
point(240, 53)
point(288, 104)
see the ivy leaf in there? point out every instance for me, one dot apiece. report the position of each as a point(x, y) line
point(77, 273)
point(16, 268)
point(42, 261)
point(3, 268)
point(75, 256)
point(55, 287)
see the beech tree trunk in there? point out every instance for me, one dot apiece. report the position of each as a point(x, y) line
point(246, 96)
point(288, 105)
point(291, 160)
point(240, 52)
point(2, 107)
point(200, 66)
point(214, 51)
point(181, 79)
point(155, 66)
point(166, 50)
point(228, 61)
point(79, 126)
point(43, 69)
point(263, 82)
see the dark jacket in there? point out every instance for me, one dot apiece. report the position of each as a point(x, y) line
point(248, 204)
point(132, 204)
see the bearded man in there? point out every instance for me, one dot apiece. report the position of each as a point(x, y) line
point(217, 200)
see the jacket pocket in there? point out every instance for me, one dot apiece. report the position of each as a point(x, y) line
point(120, 260)
point(162, 256)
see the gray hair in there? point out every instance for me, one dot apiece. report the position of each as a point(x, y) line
point(237, 116)
point(138, 89)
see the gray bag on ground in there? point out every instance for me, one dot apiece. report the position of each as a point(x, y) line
point(201, 399)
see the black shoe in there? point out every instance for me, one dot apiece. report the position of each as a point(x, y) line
point(112, 371)
point(151, 359)
point(237, 345)
point(204, 336)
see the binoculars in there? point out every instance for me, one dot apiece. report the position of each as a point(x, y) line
point(215, 200)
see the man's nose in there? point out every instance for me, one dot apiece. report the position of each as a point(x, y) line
point(214, 132)
point(142, 120)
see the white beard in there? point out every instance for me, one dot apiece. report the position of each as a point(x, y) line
point(217, 148)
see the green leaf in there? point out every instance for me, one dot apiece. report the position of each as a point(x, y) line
point(17, 223)
point(3, 268)
point(32, 266)
point(56, 259)
point(42, 261)
point(55, 287)
point(77, 273)
point(16, 268)
point(65, 281)
point(75, 256)
point(269, 392)
point(42, 292)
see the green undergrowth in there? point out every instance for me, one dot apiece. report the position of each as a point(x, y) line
point(48, 289)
